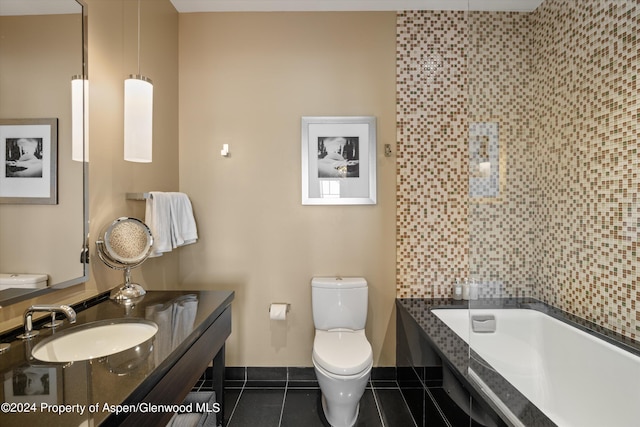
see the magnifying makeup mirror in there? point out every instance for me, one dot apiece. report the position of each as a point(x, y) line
point(125, 244)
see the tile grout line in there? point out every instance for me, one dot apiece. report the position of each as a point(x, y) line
point(375, 399)
point(375, 386)
point(435, 403)
point(284, 398)
point(406, 404)
point(238, 399)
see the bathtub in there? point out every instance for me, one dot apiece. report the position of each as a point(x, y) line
point(574, 378)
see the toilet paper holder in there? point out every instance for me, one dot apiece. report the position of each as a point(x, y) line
point(280, 303)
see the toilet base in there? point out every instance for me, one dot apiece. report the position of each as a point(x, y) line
point(341, 422)
point(341, 395)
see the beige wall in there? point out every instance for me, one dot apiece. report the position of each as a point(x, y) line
point(112, 57)
point(246, 80)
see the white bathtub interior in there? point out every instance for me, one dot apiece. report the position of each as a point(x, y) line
point(576, 379)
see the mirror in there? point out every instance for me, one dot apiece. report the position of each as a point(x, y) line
point(43, 44)
point(125, 244)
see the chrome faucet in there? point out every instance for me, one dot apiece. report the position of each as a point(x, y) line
point(28, 317)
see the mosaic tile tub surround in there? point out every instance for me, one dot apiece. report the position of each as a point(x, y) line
point(432, 228)
point(586, 104)
point(561, 84)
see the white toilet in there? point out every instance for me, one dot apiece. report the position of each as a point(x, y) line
point(342, 356)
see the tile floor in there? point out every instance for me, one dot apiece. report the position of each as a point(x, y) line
point(283, 397)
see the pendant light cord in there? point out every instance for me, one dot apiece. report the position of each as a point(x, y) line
point(139, 37)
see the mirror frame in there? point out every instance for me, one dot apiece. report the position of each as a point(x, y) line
point(12, 296)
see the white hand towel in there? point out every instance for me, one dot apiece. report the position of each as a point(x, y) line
point(183, 224)
point(158, 218)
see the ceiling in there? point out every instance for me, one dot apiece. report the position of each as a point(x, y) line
point(185, 6)
point(38, 7)
point(29, 7)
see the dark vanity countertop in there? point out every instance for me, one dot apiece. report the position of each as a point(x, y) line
point(89, 389)
point(455, 351)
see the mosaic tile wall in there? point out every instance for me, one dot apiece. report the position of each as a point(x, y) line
point(586, 102)
point(502, 239)
point(562, 88)
point(432, 226)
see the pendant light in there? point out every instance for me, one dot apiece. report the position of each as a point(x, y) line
point(79, 136)
point(138, 114)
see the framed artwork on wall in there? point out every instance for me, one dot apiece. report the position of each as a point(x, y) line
point(339, 160)
point(29, 150)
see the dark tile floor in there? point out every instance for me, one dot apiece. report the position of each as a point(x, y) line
point(283, 397)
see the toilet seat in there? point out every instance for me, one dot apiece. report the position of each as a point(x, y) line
point(342, 352)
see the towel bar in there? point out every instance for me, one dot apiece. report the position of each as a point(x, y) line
point(137, 196)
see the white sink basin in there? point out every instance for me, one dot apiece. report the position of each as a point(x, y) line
point(95, 339)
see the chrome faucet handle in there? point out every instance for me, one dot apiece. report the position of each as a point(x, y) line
point(28, 317)
point(54, 323)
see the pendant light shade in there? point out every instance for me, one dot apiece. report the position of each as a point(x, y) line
point(138, 114)
point(138, 119)
point(79, 136)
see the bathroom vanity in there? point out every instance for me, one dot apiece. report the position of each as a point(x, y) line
point(134, 387)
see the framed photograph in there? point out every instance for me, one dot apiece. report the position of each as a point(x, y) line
point(33, 384)
point(29, 150)
point(487, 163)
point(339, 160)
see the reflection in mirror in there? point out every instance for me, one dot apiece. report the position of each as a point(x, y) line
point(42, 46)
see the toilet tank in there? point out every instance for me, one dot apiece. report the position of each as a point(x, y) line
point(339, 302)
point(22, 281)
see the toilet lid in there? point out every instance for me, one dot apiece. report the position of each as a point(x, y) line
point(342, 352)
